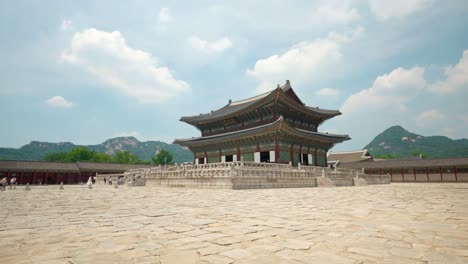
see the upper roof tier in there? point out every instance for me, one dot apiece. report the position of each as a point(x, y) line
point(284, 93)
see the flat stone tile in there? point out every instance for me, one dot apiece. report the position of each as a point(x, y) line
point(396, 223)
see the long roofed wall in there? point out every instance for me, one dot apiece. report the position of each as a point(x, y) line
point(276, 122)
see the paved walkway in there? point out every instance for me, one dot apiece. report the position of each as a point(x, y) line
point(397, 223)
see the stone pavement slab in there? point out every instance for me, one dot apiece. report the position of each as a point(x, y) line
point(396, 223)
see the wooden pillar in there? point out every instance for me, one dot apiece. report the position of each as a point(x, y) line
point(427, 174)
point(315, 157)
point(46, 178)
point(325, 158)
point(33, 178)
point(300, 155)
point(440, 171)
point(291, 154)
point(414, 173)
point(402, 173)
point(276, 151)
point(20, 177)
point(238, 153)
point(380, 171)
point(219, 156)
point(455, 171)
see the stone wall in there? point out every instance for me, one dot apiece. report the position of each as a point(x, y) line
point(252, 175)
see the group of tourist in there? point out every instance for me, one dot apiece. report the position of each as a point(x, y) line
point(108, 181)
point(4, 183)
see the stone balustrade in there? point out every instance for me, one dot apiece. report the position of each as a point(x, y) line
point(245, 175)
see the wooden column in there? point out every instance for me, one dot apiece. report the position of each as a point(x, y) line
point(46, 178)
point(276, 151)
point(219, 156)
point(300, 154)
point(291, 154)
point(325, 158)
point(440, 171)
point(455, 171)
point(33, 178)
point(427, 174)
point(238, 154)
point(20, 178)
point(315, 157)
point(402, 173)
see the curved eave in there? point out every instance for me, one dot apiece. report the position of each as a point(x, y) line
point(236, 108)
point(279, 125)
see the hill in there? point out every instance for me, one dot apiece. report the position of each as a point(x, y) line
point(145, 150)
point(399, 142)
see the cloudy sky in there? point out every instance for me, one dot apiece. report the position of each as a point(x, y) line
point(86, 71)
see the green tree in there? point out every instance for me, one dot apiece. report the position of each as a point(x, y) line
point(83, 154)
point(417, 153)
point(127, 157)
point(101, 157)
point(56, 156)
point(162, 158)
point(79, 154)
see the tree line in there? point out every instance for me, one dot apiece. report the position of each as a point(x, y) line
point(163, 157)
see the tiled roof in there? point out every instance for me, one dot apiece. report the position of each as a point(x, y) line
point(45, 166)
point(408, 163)
point(330, 138)
point(93, 166)
point(351, 156)
point(236, 107)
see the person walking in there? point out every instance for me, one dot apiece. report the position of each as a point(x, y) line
point(13, 183)
point(3, 183)
point(90, 181)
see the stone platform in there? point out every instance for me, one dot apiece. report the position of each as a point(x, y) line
point(391, 223)
point(252, 175)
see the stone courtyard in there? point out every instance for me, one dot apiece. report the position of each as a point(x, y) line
point(396, 223)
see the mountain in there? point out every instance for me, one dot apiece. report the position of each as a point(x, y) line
point(145, 150)
point(399, 142)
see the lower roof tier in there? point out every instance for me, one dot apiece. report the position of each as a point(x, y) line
point(279, 126)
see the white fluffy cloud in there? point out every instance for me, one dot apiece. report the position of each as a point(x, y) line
point(389, 92)
point(456, 77)
point(428, 118)
point(337, 14)
point(384, 10)
point(216, 46)
point(164, 15)
point(59, 101)
point(130, 71)
point(328, 92)
point(302, 62)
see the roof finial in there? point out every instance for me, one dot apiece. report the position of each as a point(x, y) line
point(278, 86)
point(287, 81)
point(230, 101)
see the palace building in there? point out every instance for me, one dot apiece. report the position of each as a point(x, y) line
point(275, 126)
